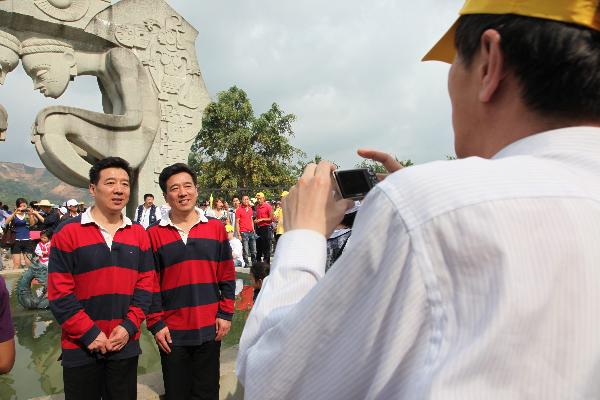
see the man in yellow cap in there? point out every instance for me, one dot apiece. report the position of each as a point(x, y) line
point(469, 279)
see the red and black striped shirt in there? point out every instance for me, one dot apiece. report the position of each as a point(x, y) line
point(94, 288)
point(195, 281)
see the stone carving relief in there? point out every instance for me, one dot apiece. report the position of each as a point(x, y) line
point(72, 13)
point(64, 10)
point(161, 47)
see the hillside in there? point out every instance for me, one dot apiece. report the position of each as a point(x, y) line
point(20, 180)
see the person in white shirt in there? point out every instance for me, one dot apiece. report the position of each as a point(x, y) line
point(72, 207)
point(237, 250)
point(42, 249)
point(147, 214)
point(476, 278)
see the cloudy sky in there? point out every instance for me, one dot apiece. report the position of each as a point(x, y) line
point(348, 69)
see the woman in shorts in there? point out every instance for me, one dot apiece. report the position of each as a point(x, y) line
point(22, 218)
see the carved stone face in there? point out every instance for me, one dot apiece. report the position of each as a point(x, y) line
point(8, 61)
point(50, 72)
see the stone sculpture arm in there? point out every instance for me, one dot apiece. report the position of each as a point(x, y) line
point(130, 121)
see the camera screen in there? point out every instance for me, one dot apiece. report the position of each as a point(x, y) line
point(352, 182)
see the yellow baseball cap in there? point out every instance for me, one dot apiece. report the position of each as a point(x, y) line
point(284, 193)
point(579, 12)
point(260, 194)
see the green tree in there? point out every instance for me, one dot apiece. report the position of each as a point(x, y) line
point(301, 164)
point(236, 151)
point(378, 167)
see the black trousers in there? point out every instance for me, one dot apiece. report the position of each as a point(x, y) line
point(263, 244)
point(192, 372)
point(105, 379)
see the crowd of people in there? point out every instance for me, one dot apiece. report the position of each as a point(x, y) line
point(32, 223)
point(256, 223)
point(108, 273)
point(35, 221)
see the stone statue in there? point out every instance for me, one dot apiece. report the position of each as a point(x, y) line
point(69, 140)
point(153, 94)
point(164, 42)
point(10, 47)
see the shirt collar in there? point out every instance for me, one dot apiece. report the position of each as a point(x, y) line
point(578, 139)
point(87, 218)
point(166, 220)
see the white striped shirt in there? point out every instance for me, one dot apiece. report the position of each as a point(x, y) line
point(466, 279)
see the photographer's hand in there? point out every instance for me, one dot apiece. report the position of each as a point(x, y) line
point(311, 204)
point(388, 161)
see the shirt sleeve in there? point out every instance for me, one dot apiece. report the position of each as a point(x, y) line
point(64, 305)
point(38, 250)
point(142, 294)
point(312, 335)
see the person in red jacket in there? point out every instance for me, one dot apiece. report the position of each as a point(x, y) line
point(100, 281)
point(194, 291)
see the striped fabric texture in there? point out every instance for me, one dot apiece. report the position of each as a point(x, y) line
point(466, 279)
point(92, 288)
point(195, 281)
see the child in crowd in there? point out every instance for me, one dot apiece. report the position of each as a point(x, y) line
point(42, 250)
point(258, 271)
point(236, 247)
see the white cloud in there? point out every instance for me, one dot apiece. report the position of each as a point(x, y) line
point(349, 70)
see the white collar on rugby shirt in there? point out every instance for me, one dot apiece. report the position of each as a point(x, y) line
point(87, 218)
point(166, 220)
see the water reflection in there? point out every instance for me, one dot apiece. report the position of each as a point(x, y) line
point(37, 371)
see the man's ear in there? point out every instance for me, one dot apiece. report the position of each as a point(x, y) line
point(491, 67)
point(92, 189)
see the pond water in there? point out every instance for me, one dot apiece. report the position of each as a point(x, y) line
point(37, 371)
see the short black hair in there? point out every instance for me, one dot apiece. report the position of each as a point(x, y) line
point(260, 270)
point(148, 195)
point(174, 169)
point(109, 162)
point(47, 233)
point(20, 200)
point(556, 63)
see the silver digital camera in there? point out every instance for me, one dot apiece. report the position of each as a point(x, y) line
point(355, 183)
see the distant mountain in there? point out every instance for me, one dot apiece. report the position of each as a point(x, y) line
point(20, 180)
